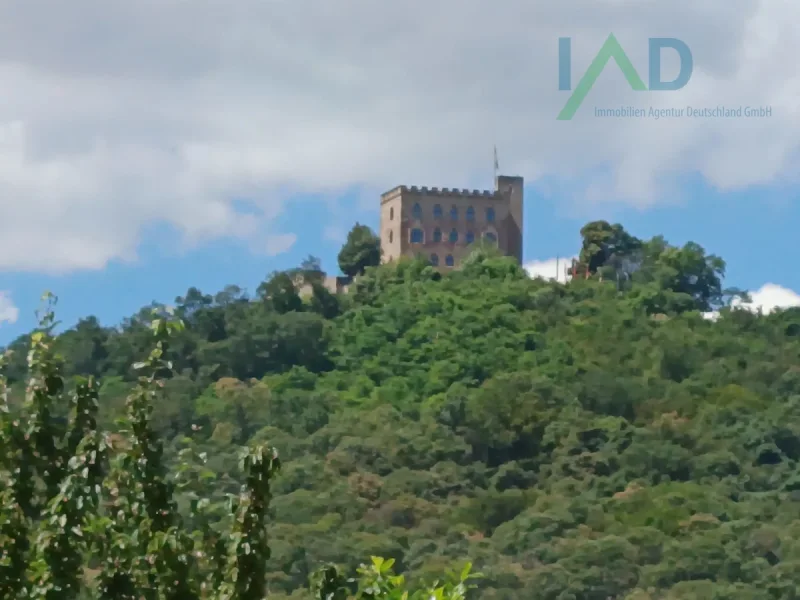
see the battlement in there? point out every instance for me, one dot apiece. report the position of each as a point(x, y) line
point(435, 191)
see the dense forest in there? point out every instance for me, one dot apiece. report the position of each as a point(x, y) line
point(584, 441)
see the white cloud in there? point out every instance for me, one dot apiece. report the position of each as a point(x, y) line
point(551, 268)
point(278, 244)
point(9, 313)
point(769, 298)
point(116, 115)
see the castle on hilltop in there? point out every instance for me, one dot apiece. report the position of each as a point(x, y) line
point(442, 224)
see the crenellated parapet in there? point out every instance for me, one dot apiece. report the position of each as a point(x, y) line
point(414, 190)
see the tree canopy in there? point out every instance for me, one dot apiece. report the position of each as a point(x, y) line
point(361, 250)
point(591, 440)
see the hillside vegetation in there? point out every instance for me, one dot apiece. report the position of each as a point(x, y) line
point(594, 440)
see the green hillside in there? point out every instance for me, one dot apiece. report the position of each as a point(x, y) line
point(594, 440)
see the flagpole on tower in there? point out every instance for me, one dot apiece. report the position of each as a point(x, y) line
point(496, 166)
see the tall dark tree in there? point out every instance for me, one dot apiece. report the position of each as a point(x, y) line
point(280, 292)
point(607, 245)
point(690, 271)
point(324, 302)
point(310, 271)
point(361, 250)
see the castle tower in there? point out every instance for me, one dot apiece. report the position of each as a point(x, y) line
point(444, 224)
point(512, 190)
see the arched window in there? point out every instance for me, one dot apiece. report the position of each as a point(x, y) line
point(490, 237)
point(416, 212)
point(437, 235)
point(417, 236)
point(449, 260)
point(437, 211)
point(470, 237)
point(490, 214)
point(391, 213)
point(435, 260)
point(470, 214)
point(391, 236)
point(453, 236)
point(454, 213)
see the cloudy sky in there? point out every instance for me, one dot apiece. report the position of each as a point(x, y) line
point(149, 146)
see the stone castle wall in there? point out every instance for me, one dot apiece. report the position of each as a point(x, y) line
point(441, 229)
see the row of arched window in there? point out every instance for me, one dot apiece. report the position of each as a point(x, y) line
point(453, 237)
point(416, 213)
point(448, 260)
point(418, 236)
point(438, 213)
